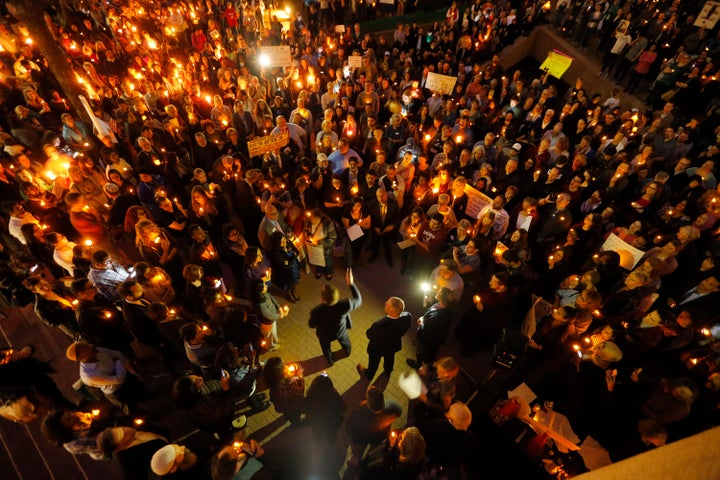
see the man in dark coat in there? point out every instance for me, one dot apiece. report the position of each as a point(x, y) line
point(433, 328)
point(384, 217)
point(331, 319)
point(385, 338)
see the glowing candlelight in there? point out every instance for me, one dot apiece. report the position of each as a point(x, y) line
point(95, 412)
point(88, 243)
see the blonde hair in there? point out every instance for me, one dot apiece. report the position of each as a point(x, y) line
point(412, 446)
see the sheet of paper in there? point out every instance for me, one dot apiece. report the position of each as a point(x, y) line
point(355, 232)
point(629, 255)
point(406, 244)
point(524, 392)
point(316, 255)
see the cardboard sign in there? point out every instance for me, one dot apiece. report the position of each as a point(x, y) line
point(477, 201)
point(354, 61)
point(556, 63)
point(629, 255)
point(268, 143)
point(709, 15)
point(277, 56)
point(339, 28)
point(440, 83)
point(389, 2)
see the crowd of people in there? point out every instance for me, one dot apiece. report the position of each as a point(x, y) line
point(501, 195)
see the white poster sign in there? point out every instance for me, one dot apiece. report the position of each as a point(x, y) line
point(316, 255)
point(477, 202)
point(709, 16)
point(354, 61)
point(276, 56)
point(440, 83)
point(629, 255)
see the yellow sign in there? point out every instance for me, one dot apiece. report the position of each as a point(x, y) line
point(268, 143)
point(556, 64)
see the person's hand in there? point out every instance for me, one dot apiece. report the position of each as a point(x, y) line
point(635, 375)
point(257, 450)
point(610, 379)
point(225, 382)
point(349, 279)
point(477, 300)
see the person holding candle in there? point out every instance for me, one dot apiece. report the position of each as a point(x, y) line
point(320, 232)
point(158, 247)
point(76, 430)
point(268, 311)
point(105, 369)
point(53, 305)
point(239, 461)
point(86, 220)
point(130, 448)
point(287, 388)
point(494, 310)
point(284, 264)
point(402, 459)
point(370, 421)
point(210, 404)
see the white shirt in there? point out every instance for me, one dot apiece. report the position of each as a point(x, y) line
point(63, 255)
point(15, 224)
point(108, 373)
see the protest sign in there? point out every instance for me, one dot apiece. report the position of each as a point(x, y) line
point(556, 63)
point(440, 83)
point(268, 143)
point(629, 255)
point(354, 61)
point(477, 202)
point(709, 16)
point(276, 56)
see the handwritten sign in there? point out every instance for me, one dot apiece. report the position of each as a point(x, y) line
point(440, 83)
point(277, 56)
point(339, 28)
point(354, 61)
point(268, 143)
point(709, 16)
point(477, 201)
point(556, 63)
point(629, 255)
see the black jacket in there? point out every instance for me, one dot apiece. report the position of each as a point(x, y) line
point(333, 321)
point(386, 334)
